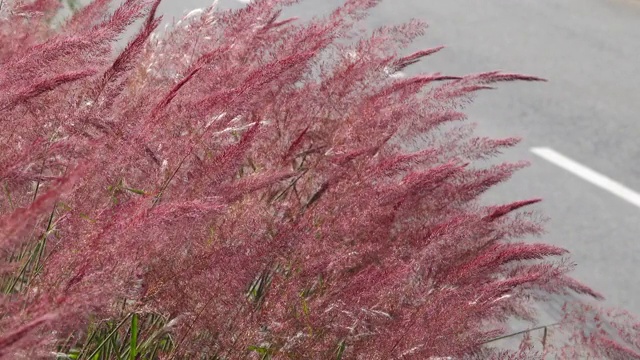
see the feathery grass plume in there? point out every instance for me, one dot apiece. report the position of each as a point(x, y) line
point(240, 186)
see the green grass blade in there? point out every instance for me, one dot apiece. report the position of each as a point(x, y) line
point(342, 345)
point(133, 343)
point(106, 342)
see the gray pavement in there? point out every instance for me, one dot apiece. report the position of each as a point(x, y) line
point(588, 51)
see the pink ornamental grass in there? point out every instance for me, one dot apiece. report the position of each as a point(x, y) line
point(247, 178)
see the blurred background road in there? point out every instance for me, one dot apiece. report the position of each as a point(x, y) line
point(588, 111)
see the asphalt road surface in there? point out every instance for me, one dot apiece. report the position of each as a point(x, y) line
point(585, 118)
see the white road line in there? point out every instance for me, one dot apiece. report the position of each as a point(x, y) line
point(587, 174)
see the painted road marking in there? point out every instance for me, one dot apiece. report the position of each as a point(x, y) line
point(587, 174)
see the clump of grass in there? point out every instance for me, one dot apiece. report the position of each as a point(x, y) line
point(245, 186)
point(136, 336)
